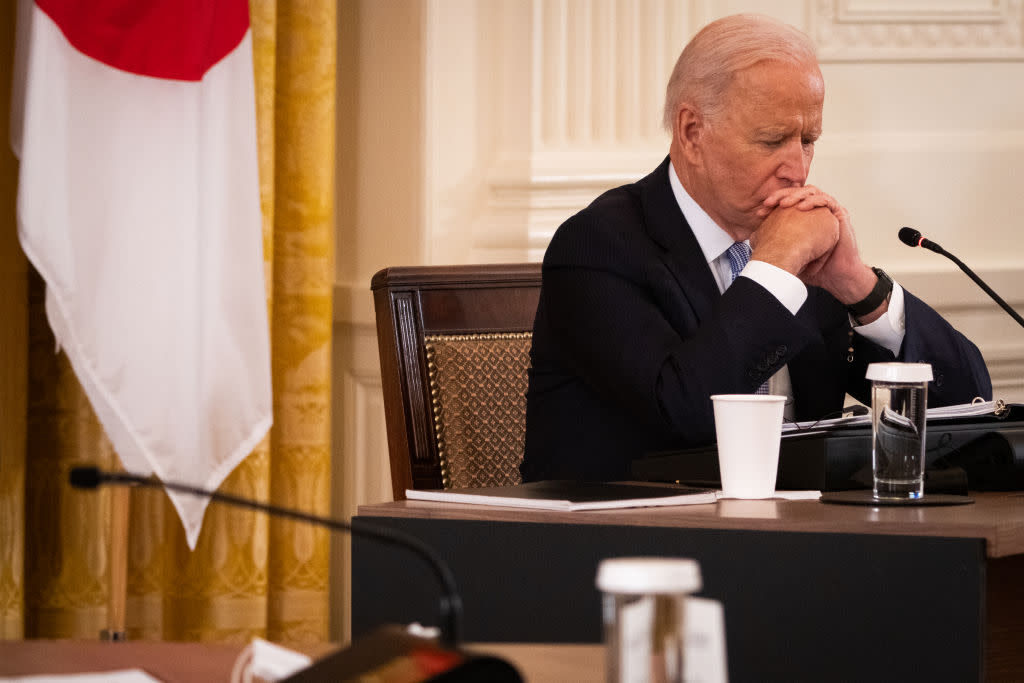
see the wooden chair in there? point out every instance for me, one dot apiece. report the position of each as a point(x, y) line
point(454, 352)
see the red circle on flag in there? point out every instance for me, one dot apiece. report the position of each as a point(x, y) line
point(177, 39)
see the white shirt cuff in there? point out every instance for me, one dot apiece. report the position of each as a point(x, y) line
point(889, 329)
point(783, 285)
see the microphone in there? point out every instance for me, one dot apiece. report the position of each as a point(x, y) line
point(913, 238)
point(450, 604)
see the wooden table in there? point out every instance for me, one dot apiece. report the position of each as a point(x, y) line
point(811, 591)
point(547, 663)
point(165, 661)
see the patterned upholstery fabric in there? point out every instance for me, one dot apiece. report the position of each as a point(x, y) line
point(478, 396)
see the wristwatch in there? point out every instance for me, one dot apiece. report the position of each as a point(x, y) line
point(881, 292)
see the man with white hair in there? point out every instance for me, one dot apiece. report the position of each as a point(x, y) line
point(720, 272)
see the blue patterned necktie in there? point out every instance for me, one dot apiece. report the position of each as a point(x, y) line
point(739, 255)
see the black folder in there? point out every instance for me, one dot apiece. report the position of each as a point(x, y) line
point(989, 448)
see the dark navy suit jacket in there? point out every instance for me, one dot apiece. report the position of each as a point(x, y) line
point(632, 337)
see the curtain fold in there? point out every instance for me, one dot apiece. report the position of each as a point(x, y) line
point(248, 576)
point(302, 314)
point(13, 361)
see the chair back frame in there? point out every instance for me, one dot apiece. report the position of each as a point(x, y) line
point(414, 302)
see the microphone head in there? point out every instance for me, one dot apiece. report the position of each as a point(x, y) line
point(910, 237)
point(85, 477)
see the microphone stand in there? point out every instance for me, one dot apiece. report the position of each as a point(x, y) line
point(450, 603)
point(981, 283)
point(913, 238)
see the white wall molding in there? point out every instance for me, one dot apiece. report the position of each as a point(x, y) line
point(586, 59)
point(522, 210)
point(564, 103)
point(946, 284)
point(361, 471)
point(353, 305)
point(936, 30)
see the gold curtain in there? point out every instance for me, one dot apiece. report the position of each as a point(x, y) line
point(249, 576)
point(13, 360)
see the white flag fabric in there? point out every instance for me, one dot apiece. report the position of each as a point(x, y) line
point(138, 203)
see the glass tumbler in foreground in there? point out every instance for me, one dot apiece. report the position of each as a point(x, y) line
point(899, 399)
point(643, 602)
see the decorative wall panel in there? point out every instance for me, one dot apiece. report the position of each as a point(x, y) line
point(872, 30)
point(587, 56)
point(592, 120)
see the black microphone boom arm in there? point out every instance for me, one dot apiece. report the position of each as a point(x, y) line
point(913, 238)
point(451, 603)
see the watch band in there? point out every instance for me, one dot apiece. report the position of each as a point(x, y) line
point(881, 291)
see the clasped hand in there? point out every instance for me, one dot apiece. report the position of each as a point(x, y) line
point(808, 233)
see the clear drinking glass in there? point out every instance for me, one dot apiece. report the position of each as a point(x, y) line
point(643, 610)
point(899, 400)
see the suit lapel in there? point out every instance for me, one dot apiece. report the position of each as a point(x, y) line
point(681, 254)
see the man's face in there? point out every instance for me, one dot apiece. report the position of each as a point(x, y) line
point(762, 142)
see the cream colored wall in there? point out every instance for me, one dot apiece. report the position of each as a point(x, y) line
point(468, 130)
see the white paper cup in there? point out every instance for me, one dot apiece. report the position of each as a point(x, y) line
point(748, 427)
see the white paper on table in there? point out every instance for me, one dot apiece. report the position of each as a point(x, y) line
point(778, 495)
point(264, 661)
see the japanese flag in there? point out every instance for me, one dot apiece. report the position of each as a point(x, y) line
point(138, 203)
